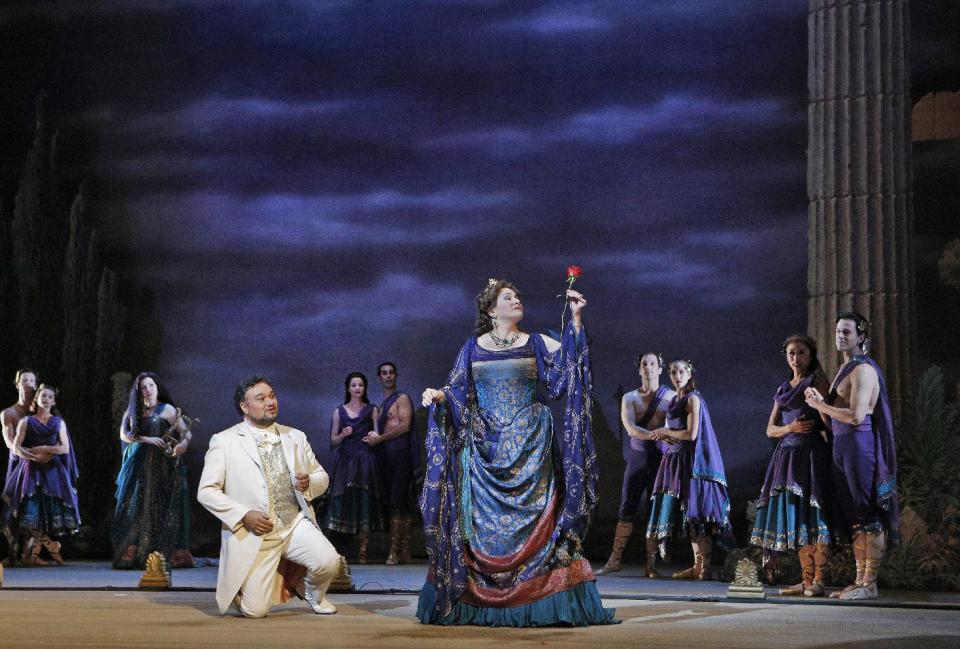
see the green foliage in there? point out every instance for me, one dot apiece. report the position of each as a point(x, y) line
point(929, 454)
point(902, 568)
point(841, 569)
point(928, 451)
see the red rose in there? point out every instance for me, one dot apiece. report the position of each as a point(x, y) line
point(573, 272)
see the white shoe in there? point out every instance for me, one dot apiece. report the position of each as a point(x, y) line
point(323, 607)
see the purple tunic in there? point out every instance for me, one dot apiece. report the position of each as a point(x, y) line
point(790, 507)
point(355, 496)
point(47, 490)
point(398, 458)
point(690, 490)
point(865, 464)
point(643, 459)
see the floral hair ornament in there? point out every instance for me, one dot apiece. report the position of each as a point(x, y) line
point(687, 361)
point(491, 282)
point(573, 274)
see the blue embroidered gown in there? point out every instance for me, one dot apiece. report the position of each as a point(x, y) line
point(506, 500)
point(152, 510)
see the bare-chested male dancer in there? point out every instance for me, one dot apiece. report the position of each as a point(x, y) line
point(864, 454)
point(641, 411)
point(399, 456)
point(26, 382)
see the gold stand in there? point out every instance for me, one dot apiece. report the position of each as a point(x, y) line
point(746, 584)
point(157, 574)
point(342, 582)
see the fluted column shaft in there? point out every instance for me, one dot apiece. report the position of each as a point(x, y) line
point(859, 178)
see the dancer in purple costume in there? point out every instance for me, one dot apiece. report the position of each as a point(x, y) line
point(690, 491)
point(40, 492)
point(864, 454)
point(398, 454)
point(26, 382)
point(355, 502)
point(641, 411)
point(790, 509)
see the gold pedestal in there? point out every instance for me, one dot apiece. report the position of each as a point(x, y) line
point(747, 584)
point(156, 576)
point(342, 582)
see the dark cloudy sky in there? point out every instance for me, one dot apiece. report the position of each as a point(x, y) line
point(314, 187)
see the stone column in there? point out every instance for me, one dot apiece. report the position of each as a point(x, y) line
point(859, 177)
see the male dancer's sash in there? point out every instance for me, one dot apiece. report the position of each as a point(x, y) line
point(638, 444)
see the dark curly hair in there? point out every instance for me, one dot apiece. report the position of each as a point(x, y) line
point(391, 364)
point(346, 386)
point(486, 299)
point(21, 372)
point(656, 354)
point(241, 392)
point(135, 407)
point(811, 345)
point(862, 325)
point(36, 398)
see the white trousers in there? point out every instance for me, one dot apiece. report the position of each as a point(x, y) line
point(305, 545)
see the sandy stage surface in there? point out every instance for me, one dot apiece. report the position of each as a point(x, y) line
point(32, 619)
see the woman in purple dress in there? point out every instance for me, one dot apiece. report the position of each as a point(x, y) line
point(40, 493)
point(355, 503)
point(690, 491)
point(790, 513)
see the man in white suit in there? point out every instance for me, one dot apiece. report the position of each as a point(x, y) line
point(257, 479)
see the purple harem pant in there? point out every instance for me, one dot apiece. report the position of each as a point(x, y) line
point(643, 460)
point(854, 465)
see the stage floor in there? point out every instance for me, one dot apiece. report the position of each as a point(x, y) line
point(179, 619)
point(86, 604)
point(407, 579)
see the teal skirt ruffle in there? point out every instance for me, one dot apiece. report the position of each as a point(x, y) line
point(788, 522)
point(356, 511)
point(667, 520)
point(579, 606)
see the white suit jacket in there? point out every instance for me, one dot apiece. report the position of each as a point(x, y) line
point(233, 482)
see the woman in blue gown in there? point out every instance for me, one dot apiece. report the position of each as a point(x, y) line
point(507, 499)
point(152, 512)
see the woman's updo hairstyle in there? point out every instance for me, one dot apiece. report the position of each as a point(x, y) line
point(486, 300)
